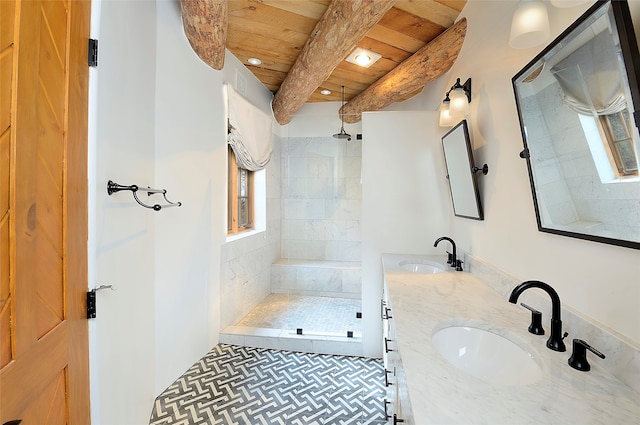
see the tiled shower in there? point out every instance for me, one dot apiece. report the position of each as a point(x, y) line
point(320, 233)
point(321, 198)
point(304, 275)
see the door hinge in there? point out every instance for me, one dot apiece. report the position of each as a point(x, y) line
point(91, 304)
point(93, 52)
point(91, 300)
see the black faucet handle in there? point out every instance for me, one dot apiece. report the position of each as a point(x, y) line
point(536, 320)
point(578, 359)
point(459, 265)
point(449, 257)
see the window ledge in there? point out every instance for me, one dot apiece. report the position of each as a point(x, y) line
point(242, 235)
point(625, 179)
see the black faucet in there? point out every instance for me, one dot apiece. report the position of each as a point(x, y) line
point(555, 339)
point(454, 258)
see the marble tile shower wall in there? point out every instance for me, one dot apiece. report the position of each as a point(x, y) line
point(246, 262)
point(321, 198)
point(551, 183)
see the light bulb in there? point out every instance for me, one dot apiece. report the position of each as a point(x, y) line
point(362, 59)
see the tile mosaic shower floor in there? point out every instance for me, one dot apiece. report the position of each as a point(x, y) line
point(311, 313)
point(235, 385)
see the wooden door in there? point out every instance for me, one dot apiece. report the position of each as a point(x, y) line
point(44, 368)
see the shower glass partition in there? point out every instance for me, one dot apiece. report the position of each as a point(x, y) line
point(318, 279)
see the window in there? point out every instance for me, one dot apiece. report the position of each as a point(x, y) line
point(241, 197)
point(618, 135)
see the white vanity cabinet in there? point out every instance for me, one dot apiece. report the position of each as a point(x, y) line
point(397, 405)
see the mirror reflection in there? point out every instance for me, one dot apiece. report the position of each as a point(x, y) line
point(460, 172)
point(581, 142)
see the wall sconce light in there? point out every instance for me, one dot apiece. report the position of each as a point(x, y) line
point(455, 105)
point(530, 25)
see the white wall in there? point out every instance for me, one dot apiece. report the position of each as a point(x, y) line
point(157, 119)
point(190, 158)
point(122, 339)
point(405, 202)
point(318, 120)
point(599, 281)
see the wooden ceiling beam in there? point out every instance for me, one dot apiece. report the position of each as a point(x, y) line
point(424, 66)
point(205, 25)
point(342, 26)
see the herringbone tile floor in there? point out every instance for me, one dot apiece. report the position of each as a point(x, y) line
point(235, 385)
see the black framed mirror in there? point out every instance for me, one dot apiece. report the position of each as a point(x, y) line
point(578, 107)
point(461, 172)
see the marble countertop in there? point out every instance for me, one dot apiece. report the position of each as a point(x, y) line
point(421, 304)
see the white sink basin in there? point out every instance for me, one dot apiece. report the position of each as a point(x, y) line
point(487, 355)
point(422, 266)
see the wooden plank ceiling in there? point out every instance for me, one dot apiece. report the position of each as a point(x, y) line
point(276, 31)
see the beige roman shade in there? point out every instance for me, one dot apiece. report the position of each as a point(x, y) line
point(249, 131)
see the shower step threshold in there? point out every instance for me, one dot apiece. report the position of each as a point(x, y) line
point(288, 339)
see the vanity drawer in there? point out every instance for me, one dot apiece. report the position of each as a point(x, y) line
point(397, 406)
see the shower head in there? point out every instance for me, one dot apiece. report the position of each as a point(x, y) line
point(343, 134)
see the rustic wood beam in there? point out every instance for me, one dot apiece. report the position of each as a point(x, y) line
point(424, 66)
point(205, 24)
point(336, 34)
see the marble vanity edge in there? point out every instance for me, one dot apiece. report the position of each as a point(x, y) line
point(623, 357)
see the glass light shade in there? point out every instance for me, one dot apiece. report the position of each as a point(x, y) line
point(459, 106)
point(530, 25)
point(446, 120)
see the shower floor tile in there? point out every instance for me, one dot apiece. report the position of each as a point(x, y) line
point(312, 314)
point(235, 385)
